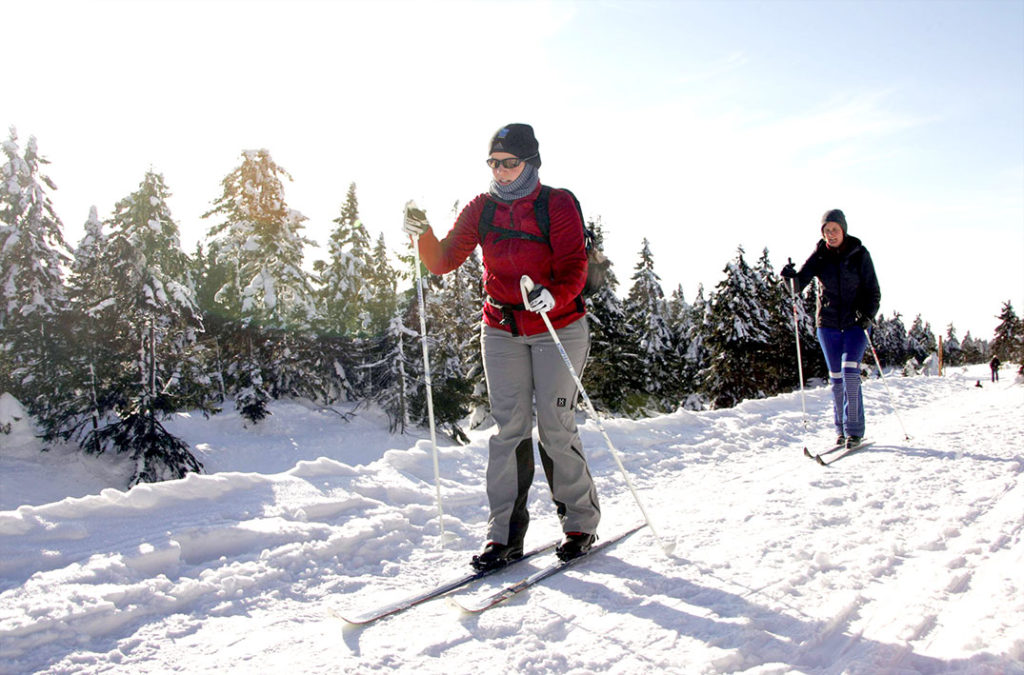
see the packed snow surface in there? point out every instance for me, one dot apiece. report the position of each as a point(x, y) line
point(905, 557)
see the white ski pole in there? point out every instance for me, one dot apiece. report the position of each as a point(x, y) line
point(411, 206)
point(885, 381)
point(525, 286)
point(799, 357)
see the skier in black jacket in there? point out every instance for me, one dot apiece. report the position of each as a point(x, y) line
point(847, 304)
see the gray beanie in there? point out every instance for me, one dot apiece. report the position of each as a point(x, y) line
point(834, 216)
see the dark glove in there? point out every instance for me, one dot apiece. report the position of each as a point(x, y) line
point(788, 272)
point(864, 321)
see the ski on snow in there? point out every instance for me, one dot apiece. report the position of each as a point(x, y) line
point(371, 615)
point(477, 604)
point(829, 451)
point(820, 457)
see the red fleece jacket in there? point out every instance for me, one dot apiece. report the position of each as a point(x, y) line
point(560, 267)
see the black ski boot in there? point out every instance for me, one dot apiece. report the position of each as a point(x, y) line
point(853, 441)
point(840, 440)
point(496, 555)
point(574, 545)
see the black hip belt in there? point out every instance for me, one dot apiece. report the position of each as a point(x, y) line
point(507, 318)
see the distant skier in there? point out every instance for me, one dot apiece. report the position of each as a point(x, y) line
point(848, 302)
point(994, 365)
point(521, 361)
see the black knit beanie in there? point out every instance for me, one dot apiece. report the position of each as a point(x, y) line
point(518, 140)
point(834, 216)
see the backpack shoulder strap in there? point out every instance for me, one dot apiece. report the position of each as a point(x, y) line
point(486, 219)
point(540, 209)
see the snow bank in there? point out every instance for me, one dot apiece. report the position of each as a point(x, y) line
point(904, 557)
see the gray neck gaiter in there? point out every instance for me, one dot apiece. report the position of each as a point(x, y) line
point(519, 188)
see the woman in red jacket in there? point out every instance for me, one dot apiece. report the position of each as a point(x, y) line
point(521, 361)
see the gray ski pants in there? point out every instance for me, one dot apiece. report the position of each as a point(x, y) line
point(519, 371)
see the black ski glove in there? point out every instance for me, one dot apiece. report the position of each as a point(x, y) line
point(788, 272)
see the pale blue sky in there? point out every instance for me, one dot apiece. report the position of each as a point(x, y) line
point(700, 125)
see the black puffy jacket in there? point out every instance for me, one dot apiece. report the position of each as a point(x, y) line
point(850, 292)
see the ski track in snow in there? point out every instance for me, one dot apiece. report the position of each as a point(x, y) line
point(906, 557)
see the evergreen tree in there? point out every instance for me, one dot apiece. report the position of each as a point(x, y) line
point(612, 359)
point(1008, 343)
point(32, 297)
point(343, 281)
point(679, 316)
point(921, 342)
point(737, 335)
point(84, 404)
point(890, 340)
point(778, 370)
point(462, 295)
point(144, 312)
point(974, 351)
point(381, 284)
point(952, 352)
point(452, 305)
point(813, 358)
point(266, 297)
point(392, 375)
point(452, 389)
point(209, 277)
point(646, 318)
point(697, 356)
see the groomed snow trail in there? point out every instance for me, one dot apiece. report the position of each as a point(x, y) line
point(904, 557)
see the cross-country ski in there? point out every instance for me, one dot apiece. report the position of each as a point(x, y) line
point(825, 460)
point(476, 604)
point(389, 609)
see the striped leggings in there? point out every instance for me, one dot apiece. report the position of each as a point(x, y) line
point(843, 352)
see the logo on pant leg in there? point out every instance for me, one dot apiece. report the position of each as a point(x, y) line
point(560, 402)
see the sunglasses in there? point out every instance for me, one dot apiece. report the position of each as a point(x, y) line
point(508, 163)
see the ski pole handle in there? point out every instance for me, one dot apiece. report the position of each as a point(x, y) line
point(525, 286)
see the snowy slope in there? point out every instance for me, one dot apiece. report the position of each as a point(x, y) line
point(906, 557)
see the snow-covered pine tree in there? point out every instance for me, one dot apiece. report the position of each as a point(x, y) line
point(453, 319)
point(697, 357)
point(462, 291)
point(392, 377)
point(679, 314)
point(611, 359)
point(646, 316)
point(343, 280)
point(737, 334)
point(890, 340)
point(814, 359)
point(381, 290)
point(451, 389)
point(209, 277)
point(974, 351)
point(32, 253)
point(81, 405)
point(149, 363)
point(361, 364)
point(778, 370)
point(952, 352)
point(921, 342)
point(1008, 343)
point(267, 296)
